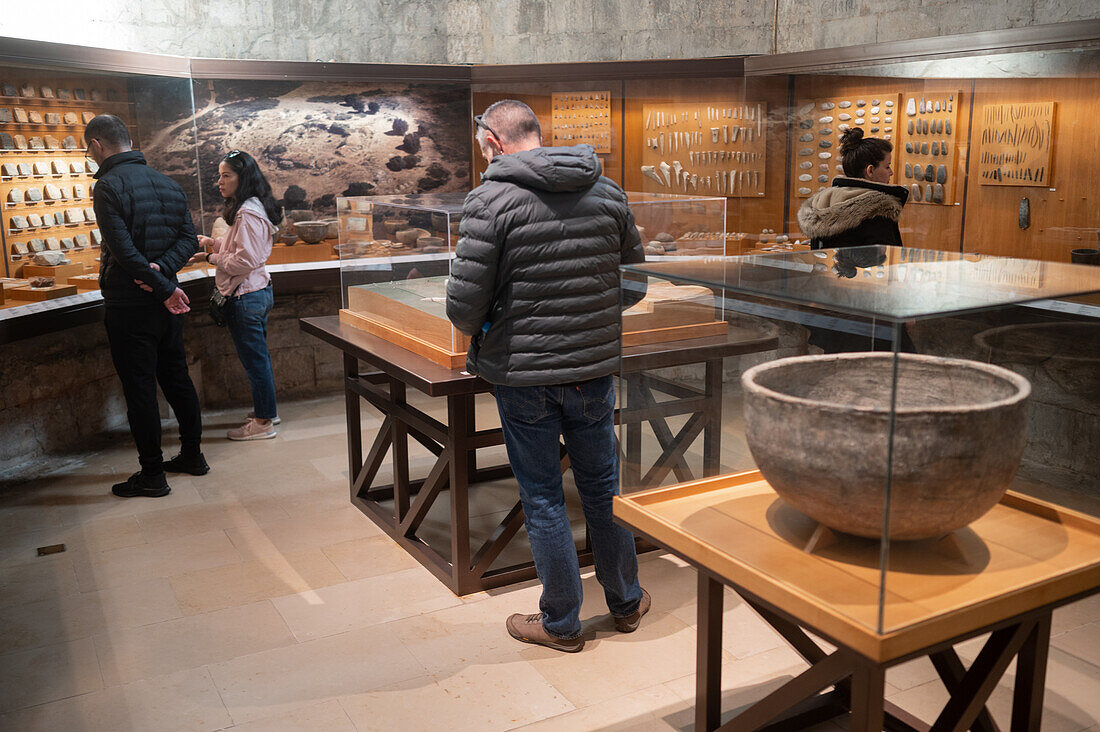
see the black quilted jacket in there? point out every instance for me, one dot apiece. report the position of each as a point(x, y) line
point(538, 260)
point(144, 218)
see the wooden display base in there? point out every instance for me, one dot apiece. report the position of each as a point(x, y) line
point(37, 294)
point(430, 351)
point(85, 281)
point(675, 333)
point(301, 252)
point(60, 272)
point(1003, 574)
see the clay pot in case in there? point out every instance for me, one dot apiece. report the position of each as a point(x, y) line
point(1085, 256)
point(311, 232)
point(819, 430)
point(409, 237)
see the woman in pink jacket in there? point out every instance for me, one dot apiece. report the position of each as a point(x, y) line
point(252, 214)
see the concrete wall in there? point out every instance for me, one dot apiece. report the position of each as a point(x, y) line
point(513, 31)
point(60, 394)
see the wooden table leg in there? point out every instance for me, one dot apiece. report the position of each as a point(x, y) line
point(399, 449)
point(355, 424)
point(1031, 671)
point(459, 407)
point(868, 694)
point(708, 661)
point(712, 432)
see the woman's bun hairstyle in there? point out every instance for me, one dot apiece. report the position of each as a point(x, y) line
point(857, 152)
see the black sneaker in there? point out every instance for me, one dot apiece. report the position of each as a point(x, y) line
point(140, 484)
point(192, 464)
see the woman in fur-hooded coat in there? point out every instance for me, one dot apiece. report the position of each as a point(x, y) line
point(861, 208)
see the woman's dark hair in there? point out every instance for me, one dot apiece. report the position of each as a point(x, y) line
point(857, 152)
point(251, 183)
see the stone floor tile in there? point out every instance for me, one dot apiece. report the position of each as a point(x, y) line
point(496, 696)
point(645, 711)
point(156, 559)
point(90, 537)
point(184, 701)
point(357, 604)
point(274, 575)
point(662, 649)
point(369, 557)
point(47, 674)
point(130, 654)
point(199, 518)
point(46, 578)
point(277, 682)
point(304, 532)
point(328, 716)
point(82, 615)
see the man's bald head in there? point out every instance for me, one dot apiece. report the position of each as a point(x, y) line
point(514, 123)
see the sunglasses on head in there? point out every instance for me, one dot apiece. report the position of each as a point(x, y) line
point(481, 123)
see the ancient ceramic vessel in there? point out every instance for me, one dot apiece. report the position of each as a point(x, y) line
point(819, 427)
point(408, 237)
point(311, 232)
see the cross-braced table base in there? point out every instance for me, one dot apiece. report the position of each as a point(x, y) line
point(843, 682)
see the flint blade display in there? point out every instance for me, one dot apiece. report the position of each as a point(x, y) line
point(918, 172)
point(648, 115)
point(759, 120)
point(694, 182)
point(649, 172)
point(1023, 217)
point(677, 169)
point(911, 107)
point(661, 141)
point(916, 192)
point(665, 170)
point(725, 134)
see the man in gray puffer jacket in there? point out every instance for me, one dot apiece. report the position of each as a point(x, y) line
point(536, 283)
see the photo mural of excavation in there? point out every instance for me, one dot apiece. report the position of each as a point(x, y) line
point(316, 141)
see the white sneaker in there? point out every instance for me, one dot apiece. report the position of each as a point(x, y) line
point(277, 420)
point(252, 430)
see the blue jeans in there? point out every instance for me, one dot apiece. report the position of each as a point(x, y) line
point(533, 418)
point(247, 323)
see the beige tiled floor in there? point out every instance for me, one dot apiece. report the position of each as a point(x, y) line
point(256, 598)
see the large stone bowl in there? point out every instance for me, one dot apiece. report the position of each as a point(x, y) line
point(819, 430)
point(311, 232)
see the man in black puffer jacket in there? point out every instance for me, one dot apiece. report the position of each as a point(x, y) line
point(148, 236)
point(536, 283)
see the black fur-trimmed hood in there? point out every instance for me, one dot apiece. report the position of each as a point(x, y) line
point(847, 204)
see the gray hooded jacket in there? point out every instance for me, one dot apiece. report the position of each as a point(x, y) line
point(535, 279)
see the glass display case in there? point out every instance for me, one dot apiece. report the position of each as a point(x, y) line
point(861, 464)
point(395, 254)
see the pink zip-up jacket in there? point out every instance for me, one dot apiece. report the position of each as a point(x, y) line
point(240, 256)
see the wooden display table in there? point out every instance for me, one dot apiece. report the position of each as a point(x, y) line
point(400, 507)
point(1004, 574)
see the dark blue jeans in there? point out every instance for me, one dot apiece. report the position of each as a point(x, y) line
point(247, 323)
point(534, 417)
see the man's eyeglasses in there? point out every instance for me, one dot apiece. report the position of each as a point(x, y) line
point(481, 123)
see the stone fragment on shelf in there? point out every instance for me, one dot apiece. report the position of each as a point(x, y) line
point(24, 169)
point(650, 172)
point(20, 115)
point(803, 191)
point(59, 166)
point(79, 94)
point(87, 117)
point(822, 179)
point(64, 94)
point(9, 90)
point(79, 191)
point(35, 117)
point(947, 127)
point(53, 118)
point(53, 193)
point(96, 237)
point(76, 166)
point(47, 92)
point(915, 191)
point(52, 143)
point(74, 216)
point(5, 114)
point(71, 118)
point(844, 104)
point(806, 151)
point(825, 155)
point(806, 137)
point(34, 220)
point(41, 168)
point(7, 142)
point(92, 166)
point(69, 143)
point(48, 220)
point(37, 143)
point(805, 165)
point(15, 195)
point(9, 170)
point(825, 131)
point(20, 142)
point(908, 170)
point(918, 172)
point(67, 244)
point(34, 194)
point(53, 244)
point(805, 124)
point(40, 282)
point(941, 173)
point(825, 143)
point(27, 90)
point(911, 107)
point(89, 214)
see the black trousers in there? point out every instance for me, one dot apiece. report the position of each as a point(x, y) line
point(147, 349)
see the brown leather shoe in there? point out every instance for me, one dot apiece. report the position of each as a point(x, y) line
point(528, 629)
point(629, 623)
